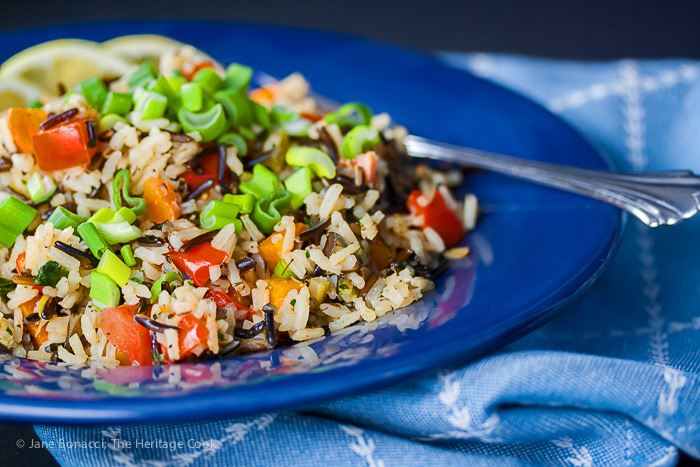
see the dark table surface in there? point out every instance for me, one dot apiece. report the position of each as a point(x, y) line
point(591, 30)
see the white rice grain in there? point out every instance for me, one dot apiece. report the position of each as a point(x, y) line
point(344, 321)
point(306, 334)
point(252, 229)
point(471, 211)
point(434, 239)
point(225, 240)
point(330, 199)
point(301, 308)
point(64, 259)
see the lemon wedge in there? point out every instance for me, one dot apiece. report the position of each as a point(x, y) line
point(17, 93)
point(142, 47)
point(65, 61)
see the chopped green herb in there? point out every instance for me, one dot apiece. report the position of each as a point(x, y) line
point(9, 331)
point(170, 316)
point(308, 221)
point(49, 274)
point(308, 255)
point(6, 286)
point(221, 337)
point(293, 302)
point(137, 280)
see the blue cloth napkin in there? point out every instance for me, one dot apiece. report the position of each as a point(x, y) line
point(613, 380)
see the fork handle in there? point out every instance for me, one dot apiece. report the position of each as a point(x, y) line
point(655, 198)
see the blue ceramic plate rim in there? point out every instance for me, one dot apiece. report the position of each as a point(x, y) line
point(302, 389)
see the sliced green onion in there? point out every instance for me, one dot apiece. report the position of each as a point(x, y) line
point(108, 122)
point(238, 77)
point(217, 215)
point(237, 106)
point(209, 124)
point(15, 217)
point(161, 86)
point(62, 218)
point(110, 265)
point(156, 288)
point(103, 215)
point(176, 83)
point(122, 185)
point(68, 94)
point(124, 215)
point(360, 139)
point(104, 292)
point(117, 103)
point(152, 105)
point(282, 271)
point(299, 185)
point(233, 139)
point(247, 133)
point(244, 202)
point(320, 162)
point(290, 120)
point(263, 183)
point(350, 115)
point(128, 256)
point(41, 188)
point(267, 211)
point(297, 127)
point(281, 114)
point(92, 238)
point(261, 116)
point(209, 79)
point(120, 232)
point(143, 74)
point(192, 96)
point(139, 92)
point(95, 92)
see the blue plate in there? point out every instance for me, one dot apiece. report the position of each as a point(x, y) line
point(534, 248)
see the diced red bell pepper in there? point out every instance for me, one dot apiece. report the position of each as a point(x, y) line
point(438, 216)
point(24, 124)
point(40, 335)
point(161, 200)
point(197, 261)
point(193, 335)
point(19, 262)
point(368, 162)
point(131, 339)
point(312, 117)
point(221, 299)
point(263, 95)
point(63, 146)
point(210, 169)
point(199, 66)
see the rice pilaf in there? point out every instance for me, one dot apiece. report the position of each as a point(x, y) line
point(172, 215)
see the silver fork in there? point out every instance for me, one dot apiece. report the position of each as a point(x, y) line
point(656, 198)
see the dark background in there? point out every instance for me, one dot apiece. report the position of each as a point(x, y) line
point(584, 29)
point(573, 29)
